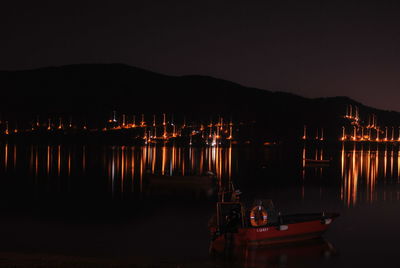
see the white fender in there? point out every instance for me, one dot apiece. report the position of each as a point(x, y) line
point(283, 227)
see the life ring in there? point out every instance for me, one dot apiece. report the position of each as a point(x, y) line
point(258, 216)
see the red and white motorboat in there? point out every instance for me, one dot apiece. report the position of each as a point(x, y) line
point(261, 224)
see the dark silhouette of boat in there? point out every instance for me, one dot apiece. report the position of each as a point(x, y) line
point(317, 162)
point(206, 183)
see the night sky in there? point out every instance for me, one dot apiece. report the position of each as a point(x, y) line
point(311, 49)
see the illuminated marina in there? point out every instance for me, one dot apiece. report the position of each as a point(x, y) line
point(207, 134)
point(360, 131)
point(153, 158)
point(355, 129)
point(156, 130)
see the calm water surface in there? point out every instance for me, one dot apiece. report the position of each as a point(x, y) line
point(98, 201)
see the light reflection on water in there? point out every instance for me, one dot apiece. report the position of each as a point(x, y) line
point(365, 174)
point(311, 253)
point(356, 176)
point(124, 166)
point(364, 170)
point(127, 164)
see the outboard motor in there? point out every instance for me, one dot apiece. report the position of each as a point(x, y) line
point(229, 217)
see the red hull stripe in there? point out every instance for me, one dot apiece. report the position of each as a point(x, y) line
point(271, 234)
point(285, 239)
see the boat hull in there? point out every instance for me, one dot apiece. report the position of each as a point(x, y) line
point(271, 235)
point(286, 233)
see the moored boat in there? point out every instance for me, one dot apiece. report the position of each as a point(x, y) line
point(197, 184)
point(317, 162)
point(262, 224)
point(207, 180)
